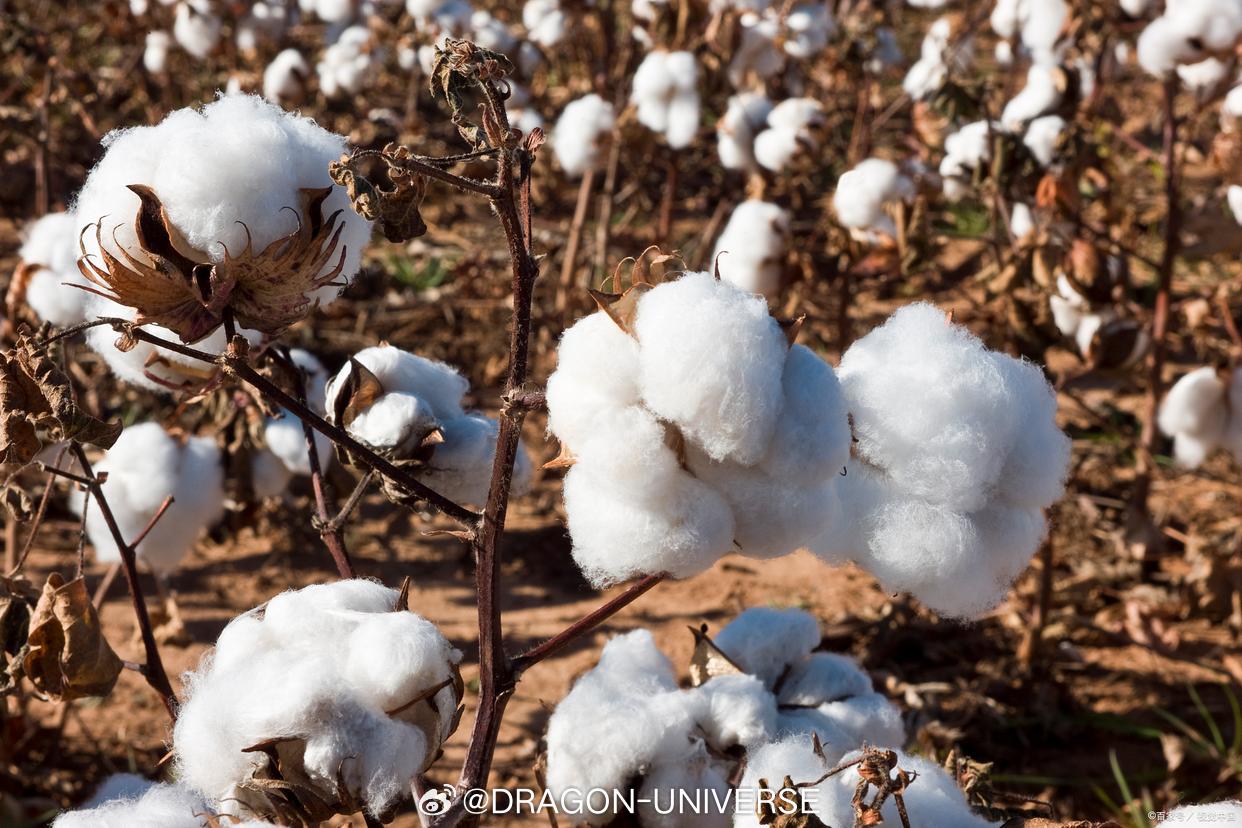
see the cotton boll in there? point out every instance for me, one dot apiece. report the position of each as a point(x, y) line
point(750, 252)
point(928, 74)
point(196, 27)
point(812, 438)
point(764, 641)
point(167, 806)
point(683, 119)
point(664, 91)
point(710, 358)
point(740, 711)
point(285, 77)
point(374, 757)
point(1041, 138)
point(829, 695)
point(49, 253)
point(144, 466)
point(349, 64)
point(491, 33)
point(580, 133)
point(692, 792)
point(1195, 414)
point(1234, 197)
point(287, 442)
point(214, 206)
point(1135, 8)
point(437, 383)
point(823, 678)
point(1041, 28)
point(809, 28)
point(757, 54)
point(1041, 95)
point(863, 191)
point(268, 475)
point(461, 468)
point(1203, 75)
point(417, 659)
point(775, 149)
point(544, 22)
point(744, 116)
point(597, 373)
point(1215, 24)
point(1162, 46)
point(397, 424)
point(1021, 220)
point(792, 756)
point(155, 53)
point(1033, 475)
point(965, 151)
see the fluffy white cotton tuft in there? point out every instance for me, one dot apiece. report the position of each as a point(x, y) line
point(544, 21)
point(790, 133)
point(1195, 413)
point(155, 52)
point(133, 805)
point(1041, 138)
point(1041, 95)
point(744, 117)
point(665, 92)
point(331, 669)
point(50, 252)
point(580, 133)
point(964, 152)
point(1234, 198)
point(145, 465)
point(349, 65)
point(750, 252)
point(937, 55)
point(285, 77)
point(764, 641)
point(196, 27)
point(862, 194)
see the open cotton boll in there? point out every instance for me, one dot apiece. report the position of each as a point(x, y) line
point(580, 133)
point(863, 191)
point(744, 116)
point(1041, 138)
point(397, 423)
point(544, 22)
point(789, 133)
point(158, 806)
point(1135, 8)
point(792, 756)
point(764, 641)
point(1234, 197)
point(461, 468)
point(348, 65)
point(739, 711)
point(144, 466)
point(1041, 95)
point(320, 670)
point(1033, 475)
point(491, 33)
point(1203, 75)
point(811, 441)
point(691, 792)
point(214, 206)
point(965, 151)
point(808, 28)
point(1195, 414)
point(710, 362)
point(1162, 46)
point(751, 250)
point(287, 442)
point(665, 93)
point(757, 54)
point(1201, 816)
point(437, 383)
point(155, 52)
point(1214, 24)
point(285, 77)
point(928, 73)
point(49, 254)
point(597, 373)
point(930, 406)
point(828, 695)
point(196, 27)
point(119, 786)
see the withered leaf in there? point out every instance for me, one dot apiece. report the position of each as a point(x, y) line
point(68, 656)
point(383, 191)
point(708, 660)
point(36, 399)
point(16, 598)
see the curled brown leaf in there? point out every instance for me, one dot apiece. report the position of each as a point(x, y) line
point(67, 656)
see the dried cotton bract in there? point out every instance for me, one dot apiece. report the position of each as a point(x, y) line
point(351, 695)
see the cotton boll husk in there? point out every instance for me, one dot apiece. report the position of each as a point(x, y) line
point(1041, 137)
point(196, 27)
point(155, 53)
point(744, 116)
point(764, 641)
point(1201, 816)
point(247, 140)
point(710, 362)
point(597, 374)
point(461, 468)
point(667, 522)
point(811, 441)
point(284, 79)
point(437, 383)
point(739, 711)
point(935, 797)
point(931, 407)
point(751, 250)
point(579, 133)
point(1040, 96)
point(690, 793)
point(159, 806)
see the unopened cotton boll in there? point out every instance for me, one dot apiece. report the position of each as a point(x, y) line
point(580, 133)
point(167, 806)
point(666, 95)
point(744, 117)
point(750, 252)
point(757, 54)
point(155, 53)
point(710, 359)
point(862, 194)
point(196, 27)
point(145, 465)
point(1195, 414)
point(285, 77)
point(330, 671)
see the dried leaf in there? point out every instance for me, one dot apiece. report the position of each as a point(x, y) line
point(36, 402)
point(382, 190)
point(708, 660)
point(68, 656)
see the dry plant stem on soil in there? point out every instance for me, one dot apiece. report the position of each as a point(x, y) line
point(1160, 314)
point(153, 670)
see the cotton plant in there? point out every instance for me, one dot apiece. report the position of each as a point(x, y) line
point(665, 93)
point(627, 725)
point(957, 455)
point(270, 254)
point(1201, 412)
point(581, 133)
point(790, 133)
point(751, 250)
point(48, 273)
point(335, 688)
point(409, 409)
point(695, 428)
point(864, 196)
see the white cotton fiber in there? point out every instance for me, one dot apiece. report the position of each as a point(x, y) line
point(461, 468)
point(964, 152)
point(740, 710)
point(1041, 138)
point(710, 358)
point(1041, 95)
point(756, 54)
point(440, 385)
point(330, 671)
point(863, 192)
point(1203, 75)
point(202, 164)
point(544, 21)
point(1233, 197)
point(764, 641)
point(745, 115)
point(349, 65)
point(196, 27)
point(666, 96)
point(1228, 812)
point(144, 466)
point(284, 79)
point(596, 376)
point(156, 806)
point(155, 52)
point(50, 251)
point(1196, 415)
point(811, 440)
point(750, 252)
point(925, 78)
point(789, 133)
point(794, 757)
point(580, 133)
point(808, 28)
point(284, 435)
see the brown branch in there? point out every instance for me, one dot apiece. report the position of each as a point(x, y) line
point(16, 565)
point(330, 531)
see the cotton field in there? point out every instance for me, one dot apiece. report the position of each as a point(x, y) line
point(703, 413)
